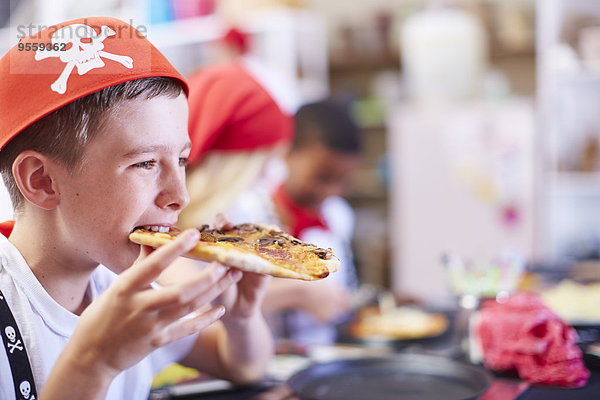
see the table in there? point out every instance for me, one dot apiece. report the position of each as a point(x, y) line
point(501, 389)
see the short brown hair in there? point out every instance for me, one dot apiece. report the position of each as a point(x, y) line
point(64, 133)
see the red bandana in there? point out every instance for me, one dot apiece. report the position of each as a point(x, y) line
point(300, 218)
point(65, 62)
point(230, 110)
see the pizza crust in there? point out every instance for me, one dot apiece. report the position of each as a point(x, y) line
point(238, 258)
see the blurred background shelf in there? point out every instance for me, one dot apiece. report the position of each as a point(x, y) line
point(579, 78)
point(187, 31)
point(577, 184)
point(363, 64)
point(539, 63)
point(568, 34)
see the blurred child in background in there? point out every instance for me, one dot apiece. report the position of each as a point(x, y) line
point(236, 128)
point(308, 204)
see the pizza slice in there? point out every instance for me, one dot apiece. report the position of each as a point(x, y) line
point(254, 248)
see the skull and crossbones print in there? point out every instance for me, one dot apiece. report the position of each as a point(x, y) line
point(25, 389)
point(13, 343)
point(84, 51)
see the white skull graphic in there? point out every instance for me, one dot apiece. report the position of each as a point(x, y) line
point(82, 46)
point(78, 45)
point(10, 333)
point(25, 389)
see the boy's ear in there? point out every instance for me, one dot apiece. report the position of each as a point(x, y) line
point(31, 171)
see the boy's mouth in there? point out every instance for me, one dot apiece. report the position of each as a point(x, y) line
point(154, 228)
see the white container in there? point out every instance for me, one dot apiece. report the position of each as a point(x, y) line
point(444, 54)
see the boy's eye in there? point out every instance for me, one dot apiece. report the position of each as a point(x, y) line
point(145, 164)
point(183, 161)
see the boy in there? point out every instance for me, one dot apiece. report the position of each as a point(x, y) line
point(325, 151)
point(87, 157)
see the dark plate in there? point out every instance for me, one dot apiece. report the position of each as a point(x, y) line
point(588, 332)
point(589, 342)
point(398, 377)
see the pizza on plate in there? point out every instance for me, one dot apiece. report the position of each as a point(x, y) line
point(254, 248)
point(398, 323)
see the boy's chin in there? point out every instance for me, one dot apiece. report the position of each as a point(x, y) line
point(126, 260)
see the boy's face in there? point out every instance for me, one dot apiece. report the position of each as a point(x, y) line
point(132, 174)
point(316, 172)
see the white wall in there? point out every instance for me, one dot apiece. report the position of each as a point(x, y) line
point(454, 169)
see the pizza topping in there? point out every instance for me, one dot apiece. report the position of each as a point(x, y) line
point(281, 254)
point(233, 239)
point(203, 228)
point(269, 241)
point(279, 234)
point(323, 254)
point(288, 256)
point(247, 228)
point(247, 237)
point(207, 237)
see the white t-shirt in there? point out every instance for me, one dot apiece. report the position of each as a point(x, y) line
point(46, 327)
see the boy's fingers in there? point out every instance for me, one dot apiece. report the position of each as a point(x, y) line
point(147, 269)
point(183, 293)
point(145, 251)
point(185, 327)
point(181, 310)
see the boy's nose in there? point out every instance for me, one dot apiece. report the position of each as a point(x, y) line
point(334, 189)
point(174, 194)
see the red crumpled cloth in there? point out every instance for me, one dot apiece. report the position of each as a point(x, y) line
point(525, 336)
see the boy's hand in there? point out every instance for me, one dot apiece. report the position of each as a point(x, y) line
point(131, 319)
point(245, 299)
point(325, 301)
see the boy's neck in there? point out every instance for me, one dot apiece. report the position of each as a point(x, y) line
point(40, 246)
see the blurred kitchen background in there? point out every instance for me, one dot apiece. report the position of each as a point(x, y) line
point(481, 118)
